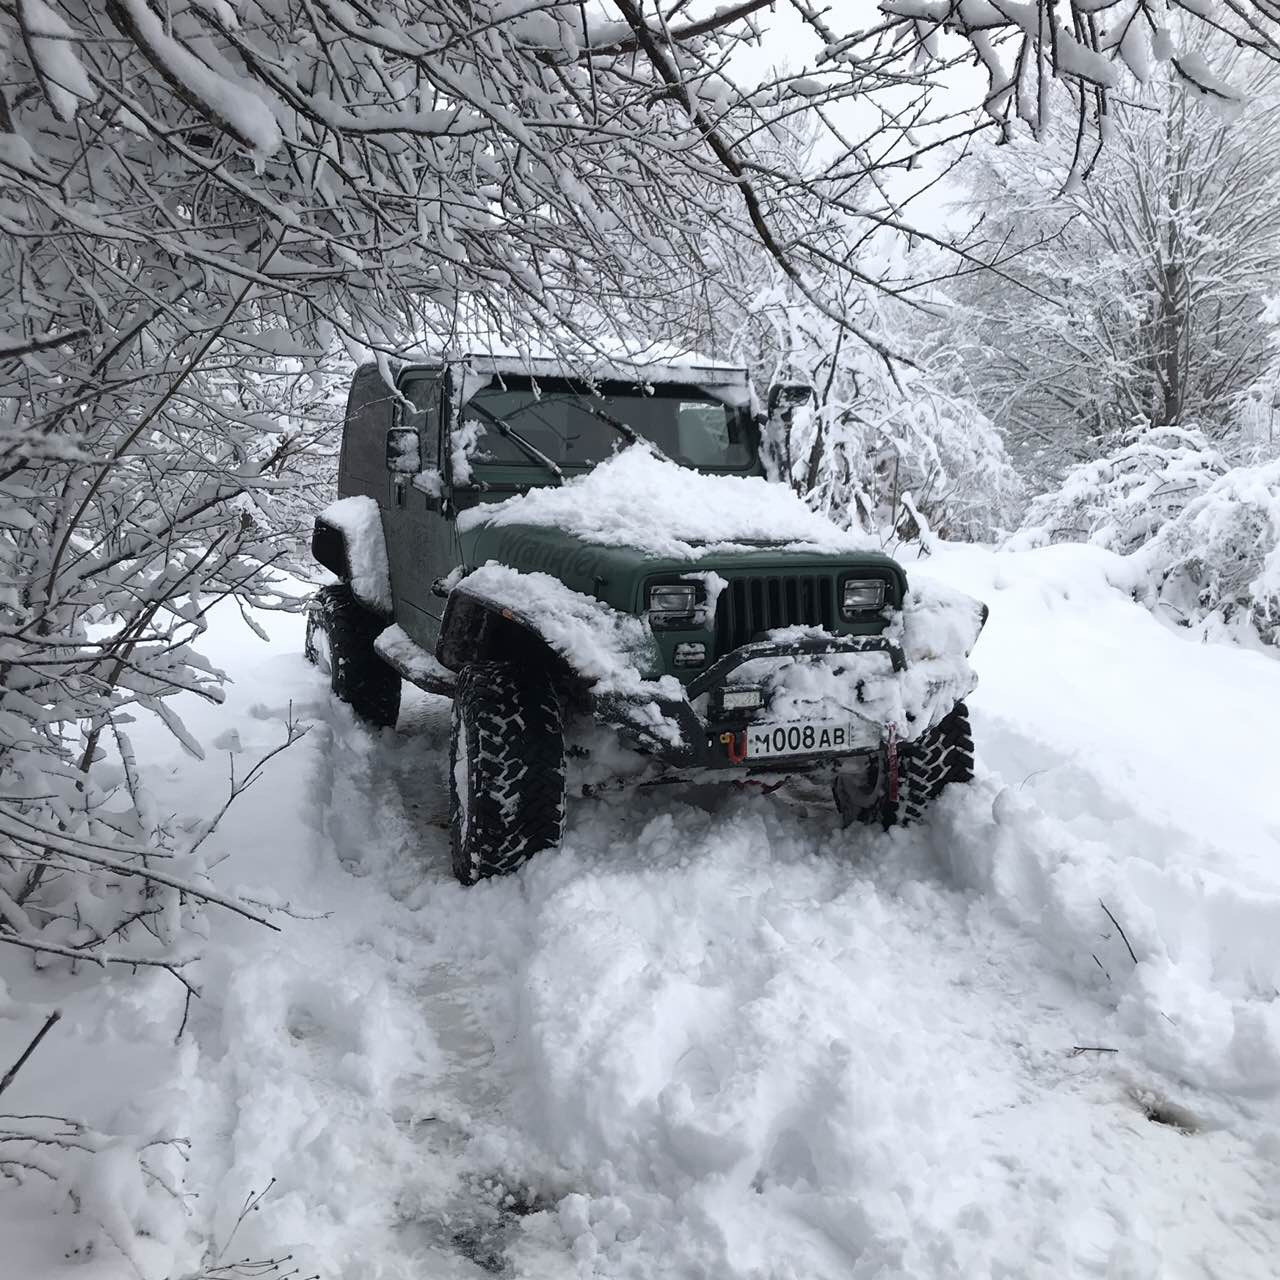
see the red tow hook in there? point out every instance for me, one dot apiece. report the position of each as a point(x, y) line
point(891, 762)
point(735, 745)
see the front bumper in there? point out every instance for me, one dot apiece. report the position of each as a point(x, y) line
point(679, 736)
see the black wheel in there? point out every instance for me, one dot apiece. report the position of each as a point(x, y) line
point(506, 769)
point(942, 756)
point(340, 636)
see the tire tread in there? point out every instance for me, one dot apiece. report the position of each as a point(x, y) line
point(516, 761)
point(357, 675)
point(926, 767)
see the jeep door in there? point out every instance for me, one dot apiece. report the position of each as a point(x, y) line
point(421, 542)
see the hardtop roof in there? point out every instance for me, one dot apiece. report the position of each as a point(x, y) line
point(684, 371)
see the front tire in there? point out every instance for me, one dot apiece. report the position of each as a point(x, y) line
point(506, 769)
point(934, 761)
point(940, 757)
point(340, 636)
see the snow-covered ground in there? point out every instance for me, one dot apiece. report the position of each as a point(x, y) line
point(715, 1035)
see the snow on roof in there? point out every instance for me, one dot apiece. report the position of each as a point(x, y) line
point(692, 370)
point(637, 499)
point(479, 368)
point(653, 362)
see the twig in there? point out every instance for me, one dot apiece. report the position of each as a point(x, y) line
point(30, 1049)
point(252, 1203)
point(104, 958)
point(11, 349)
point(287, 908)
point(1116, 922)
point(294, 731)
point(186, 1013)
point(1078, 1049)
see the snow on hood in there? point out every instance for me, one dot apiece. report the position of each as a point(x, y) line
point(637, 499)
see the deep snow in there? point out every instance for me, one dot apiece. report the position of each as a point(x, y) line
point(714, 1035)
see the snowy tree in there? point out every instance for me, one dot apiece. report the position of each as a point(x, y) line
point(897, 448)
point(1135, 297)
point(1256, 437)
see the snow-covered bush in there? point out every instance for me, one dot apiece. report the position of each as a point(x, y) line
point(1123, 500)
point(1204, 540)
point(1215, 567)
point(916, 460)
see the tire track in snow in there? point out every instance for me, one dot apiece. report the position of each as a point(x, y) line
point(384, 818)
point(759, 1046)
point(348, 1058)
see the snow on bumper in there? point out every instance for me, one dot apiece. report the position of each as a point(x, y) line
point(906, 680)
point(898, 684)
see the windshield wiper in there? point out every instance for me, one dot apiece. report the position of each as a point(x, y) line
point(629, 433)
point(509, 432)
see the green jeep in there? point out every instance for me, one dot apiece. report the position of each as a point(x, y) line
point(599, 574)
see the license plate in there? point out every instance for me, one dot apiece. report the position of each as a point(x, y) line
point(798, 738)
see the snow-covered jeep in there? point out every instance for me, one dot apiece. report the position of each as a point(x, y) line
point(599, 574)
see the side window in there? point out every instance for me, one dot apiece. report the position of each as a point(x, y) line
point(370, 407)
point(423, 393)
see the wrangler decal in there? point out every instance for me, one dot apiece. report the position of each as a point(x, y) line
point(526, 552)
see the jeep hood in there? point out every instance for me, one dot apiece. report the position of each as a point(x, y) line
point(639, 516)
point(643, 502)
point(612, 572)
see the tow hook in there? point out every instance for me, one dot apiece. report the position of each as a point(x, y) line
point(735, 745)
point(891, 764)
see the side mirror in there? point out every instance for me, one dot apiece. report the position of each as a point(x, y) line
point(788, 396)
point(404, 452)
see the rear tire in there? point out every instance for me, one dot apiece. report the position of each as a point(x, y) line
point(340, 636)
point(506, 769)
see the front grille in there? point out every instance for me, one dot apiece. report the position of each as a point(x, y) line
point(748, 606)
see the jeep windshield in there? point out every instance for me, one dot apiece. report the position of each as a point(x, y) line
point(575, 428)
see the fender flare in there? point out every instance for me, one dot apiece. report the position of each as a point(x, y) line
point(476, 626)
point(329, 548)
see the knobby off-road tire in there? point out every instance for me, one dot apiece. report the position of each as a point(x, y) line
point(506, 769)
point(942, 756)
point(340, 636)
